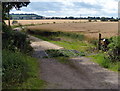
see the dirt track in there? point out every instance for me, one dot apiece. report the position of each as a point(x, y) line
point(82, 74)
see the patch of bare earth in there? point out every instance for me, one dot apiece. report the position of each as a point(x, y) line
point(81, 74)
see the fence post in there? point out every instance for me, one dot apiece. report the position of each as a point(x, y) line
point(99, 42)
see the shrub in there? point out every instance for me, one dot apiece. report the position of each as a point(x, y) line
point(15, 68)
point(14, 40)
point(114, 20)
point(114, 49)
point(103, 61)
point(89, 20)
point(54, 22)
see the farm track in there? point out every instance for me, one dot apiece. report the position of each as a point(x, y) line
point(82, 74)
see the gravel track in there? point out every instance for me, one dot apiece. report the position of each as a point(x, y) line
point(82, 74)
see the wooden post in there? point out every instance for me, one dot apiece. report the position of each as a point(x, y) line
point(99, 43)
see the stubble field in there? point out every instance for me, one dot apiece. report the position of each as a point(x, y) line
point(90, 29)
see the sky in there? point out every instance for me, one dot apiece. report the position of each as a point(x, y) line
point(75, 8)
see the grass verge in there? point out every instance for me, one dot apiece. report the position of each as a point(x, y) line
point(20, 71)
point(105, 62)
point(70, 41)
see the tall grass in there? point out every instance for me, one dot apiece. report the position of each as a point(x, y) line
point(19, 71)
point(103, 61)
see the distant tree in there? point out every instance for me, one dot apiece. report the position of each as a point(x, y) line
point(71, 17)
point(104, 19)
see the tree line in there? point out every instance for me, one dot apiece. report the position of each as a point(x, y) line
point(35, 16)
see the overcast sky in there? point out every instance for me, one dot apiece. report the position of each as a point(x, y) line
point(62, 8)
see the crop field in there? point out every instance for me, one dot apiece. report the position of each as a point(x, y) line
point(25, 22)
point(89, 29)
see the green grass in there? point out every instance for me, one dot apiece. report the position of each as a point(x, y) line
point(20, 71)
point(41, 37)
point(64, 53)
point(81, 46)
point(70, 41)
point(77, 42)
point(105, 62)
point(34, 81)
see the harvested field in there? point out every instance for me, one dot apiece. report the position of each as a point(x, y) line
point(90, 29)
point(24, 22)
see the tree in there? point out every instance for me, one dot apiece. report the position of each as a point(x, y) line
point(7, 6)
point(14, 40)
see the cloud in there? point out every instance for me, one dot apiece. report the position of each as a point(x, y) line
point(72, 7)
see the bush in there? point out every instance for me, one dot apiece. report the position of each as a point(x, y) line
point(114, 20)
point(14, 40)
point(114, 49)
point(14, 68)
point(54, 22)
point(20, 71)
point(89, 20)
point(103, 61)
